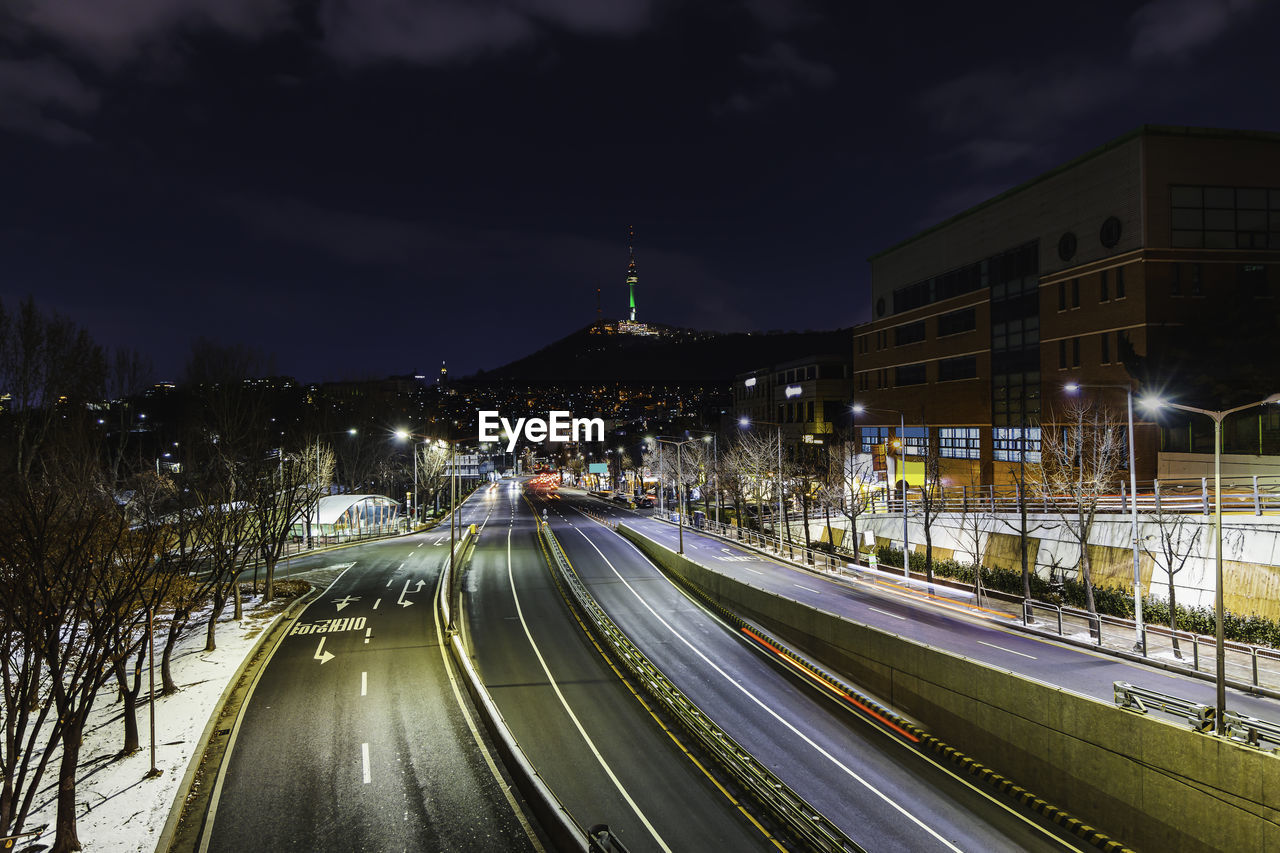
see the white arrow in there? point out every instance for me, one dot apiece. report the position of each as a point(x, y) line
point(321, 655)
point(405, 592)
point(344, 601)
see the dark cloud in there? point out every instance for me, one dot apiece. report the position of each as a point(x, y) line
point(773, 74)
point(1172, 29)
point(113, 32)
point(45, 98)
point(443, 31)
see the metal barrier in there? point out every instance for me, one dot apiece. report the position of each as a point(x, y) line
point(1201, 717)
point(1260, 734)
point(784, 804)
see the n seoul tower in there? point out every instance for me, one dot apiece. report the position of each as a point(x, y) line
point(633, 278)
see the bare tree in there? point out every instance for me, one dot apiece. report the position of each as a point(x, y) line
point(281, 490)
point(82, 565)
point(1177, 537)
point(847, 484)
point(753, 460)
point(49, 368)
point(931, 505)
point(433, 469)
point(1079, 464)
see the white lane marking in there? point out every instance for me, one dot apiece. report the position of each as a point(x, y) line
point(766, 708)
point(420, 544)
point(753, 571)
point(364, 756)
point(475, 733)
point(885, 612)
point(376, 603)
point(364, 684)
point(368, 632)
point(572, 716)
point(1003, 649)
point(811, 589)
point(389, 580)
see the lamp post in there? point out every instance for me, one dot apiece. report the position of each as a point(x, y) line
point(404, 435)
point(679, 481)
point(1140, 639)
point(1218, 615)
point(715, 464)
point(858, 408)
point(352, 432)
point(777, 523)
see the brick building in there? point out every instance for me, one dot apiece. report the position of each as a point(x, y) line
point(979, 321)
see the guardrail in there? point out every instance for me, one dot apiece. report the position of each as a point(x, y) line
point(1201, 717)
point(1251, 731)
point(784, 804)
point(1257, 733)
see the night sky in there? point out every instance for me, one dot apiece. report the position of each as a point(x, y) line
point(368, 187)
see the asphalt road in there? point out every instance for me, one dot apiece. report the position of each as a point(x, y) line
point(353, 739)
point(591, 740)
point(881, 793)
point(1084, 671)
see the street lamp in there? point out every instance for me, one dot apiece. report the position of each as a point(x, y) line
point(352, 432)
point(679, 481)
point(404, 435)
point(1140, 639)
point(858, 409)
point(715, 464)
point(746, 422)
point(1156, 403)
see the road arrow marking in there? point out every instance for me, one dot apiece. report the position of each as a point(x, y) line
point(404, 592)
point(321, 655)
point(344, 601)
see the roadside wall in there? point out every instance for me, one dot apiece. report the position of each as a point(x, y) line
point(1251, 552)
point(1147, 782)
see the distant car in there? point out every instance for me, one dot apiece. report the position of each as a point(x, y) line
point(620, 499)
point(646, 503)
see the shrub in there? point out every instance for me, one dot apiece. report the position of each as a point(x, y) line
point(1255, 630)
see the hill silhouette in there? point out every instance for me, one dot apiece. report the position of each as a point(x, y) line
point(674, 355)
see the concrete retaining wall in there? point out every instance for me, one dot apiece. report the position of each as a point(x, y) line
point(1150, 783)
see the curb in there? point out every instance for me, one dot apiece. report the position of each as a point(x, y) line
point(180, 799)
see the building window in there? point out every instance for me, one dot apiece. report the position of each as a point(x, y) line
point(809, 412)
point(1106, 347)
point(1062, 296)
point(1197, 288)
point(1075, 352)
point(873, 437)
point(963, 367)
point(1103, 295)
point(1225, 217)
point(959, 443)
point(909, 334)
point(964, 320)
point(1008, 442)
point(911, 374)
point(1075, 293)
point(915, 441)
point(1062, 354)
point(1175, 282)
point(1120, 283)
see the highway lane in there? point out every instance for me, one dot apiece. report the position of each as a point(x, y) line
point(352, 738)
point(883, 795)
point(1084, 671)
point(591, 740)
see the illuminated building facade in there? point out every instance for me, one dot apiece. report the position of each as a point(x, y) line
point(979, 321)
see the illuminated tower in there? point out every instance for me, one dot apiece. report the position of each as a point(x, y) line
point(633, 277)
